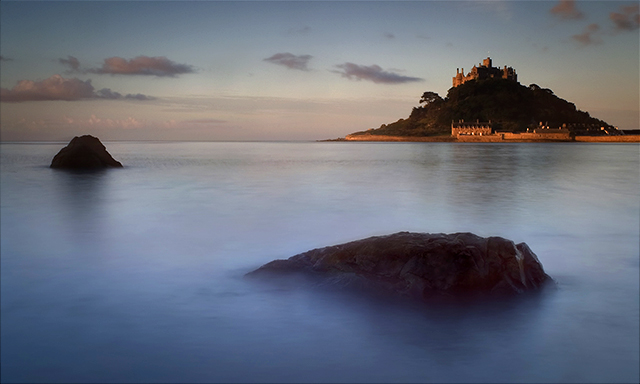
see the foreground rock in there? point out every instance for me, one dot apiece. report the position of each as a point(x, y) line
point(84, 152)
point(421, 265)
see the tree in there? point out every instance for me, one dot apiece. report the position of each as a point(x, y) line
point(430, 97)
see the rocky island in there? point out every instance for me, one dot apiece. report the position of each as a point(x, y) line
point(420, 265)
point(489, 105)
point(84, 152)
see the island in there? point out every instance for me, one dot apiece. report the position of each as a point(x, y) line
point(420, 265)
point(488, 104)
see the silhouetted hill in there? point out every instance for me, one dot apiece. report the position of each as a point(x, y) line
point(509, 105)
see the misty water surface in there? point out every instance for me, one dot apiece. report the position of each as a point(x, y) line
point(136, 274)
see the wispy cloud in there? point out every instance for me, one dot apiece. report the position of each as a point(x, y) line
point(373, 73)
point(587, 37)
point(205, 121)
point(2, 58)
point(566, 9)
point(106, 93)
point(143, 65)
point(57, 87)
point(290, 60)
point(389, 35)
point(101, 122)
point(108, 125)
point(628, 19)
point(71, 62)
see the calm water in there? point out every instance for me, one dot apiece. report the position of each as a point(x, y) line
point(135, 274)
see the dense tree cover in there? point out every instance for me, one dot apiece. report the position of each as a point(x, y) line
point(508, 104)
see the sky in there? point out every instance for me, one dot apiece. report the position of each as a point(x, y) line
point(300, 70)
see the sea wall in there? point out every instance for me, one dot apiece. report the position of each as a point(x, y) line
point(609, 139)
point(535, 136)
point(400, 138)
point(546, 137)
point(513, 137)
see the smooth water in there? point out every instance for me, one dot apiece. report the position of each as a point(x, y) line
point(136, 274)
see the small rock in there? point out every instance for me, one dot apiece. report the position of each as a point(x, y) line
point(84, 152)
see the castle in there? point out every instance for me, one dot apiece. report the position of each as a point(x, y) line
point(484, 71)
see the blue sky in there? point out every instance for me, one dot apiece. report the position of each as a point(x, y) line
point(302, 70)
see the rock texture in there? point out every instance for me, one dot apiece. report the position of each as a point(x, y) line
point(421, 265)
point(84, 152)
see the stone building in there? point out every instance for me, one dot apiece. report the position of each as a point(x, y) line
point(471, 129)
point(484, 71)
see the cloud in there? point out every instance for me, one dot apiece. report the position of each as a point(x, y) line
point(101, 122)
point(628, 19)
point(389, 35)
point(54, 88)
point(290, 60)
point(106, 93)
point(143, 65)
point(123, 127)
point(373, 73)
point(72, 62)
point(58, 88)
point(566, 9)
point(587, 37)
point(2, 58)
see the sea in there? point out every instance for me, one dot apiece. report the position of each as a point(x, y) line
point(137, 274)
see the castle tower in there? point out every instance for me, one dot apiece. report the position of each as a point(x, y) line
point(484, 71)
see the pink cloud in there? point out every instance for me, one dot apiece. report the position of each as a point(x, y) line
point(101, 122)
point(98, 122)
point(143, 65)
point(58, 88)
point(587, 37)
point(628, 19)
point(566, 9)
point(54, 88)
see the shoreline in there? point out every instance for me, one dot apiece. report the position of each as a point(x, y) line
point(486, 139)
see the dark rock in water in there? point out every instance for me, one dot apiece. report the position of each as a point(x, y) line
point(84, 152)
point(421, 265)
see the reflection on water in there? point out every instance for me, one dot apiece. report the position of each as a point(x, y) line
point(83, 195)
point(135, 274)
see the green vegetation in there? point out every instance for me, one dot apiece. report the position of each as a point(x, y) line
point(508, 104)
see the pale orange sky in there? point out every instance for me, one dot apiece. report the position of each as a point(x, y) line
point(293, 70)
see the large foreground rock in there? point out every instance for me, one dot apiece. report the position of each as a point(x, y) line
point(421, 265)
point(84, 152)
